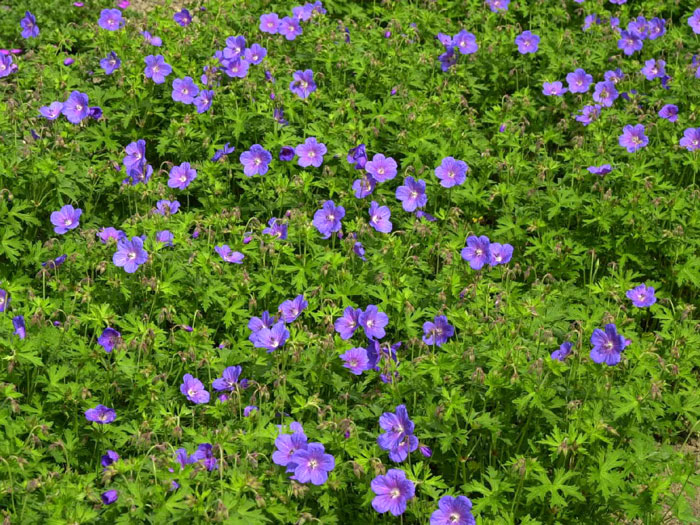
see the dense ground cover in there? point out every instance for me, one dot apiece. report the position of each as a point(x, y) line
point(455, 250)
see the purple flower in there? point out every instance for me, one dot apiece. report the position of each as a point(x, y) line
point(600, 170)
point(276, 228)
point(223, 152)
point(669, 112)
point(451, 172)
point(527, 42)
point(477, 251)
point(101, 415)
point(691, 139)
point(68, 61)
point(110, 63)
point(607, 345)
point(130, 254)
point(256, 160)
point(108, 339)
point(499, 253)
point(359, 250)
point(19, 326)
point(312, 464)
point(498, 5)
point(292, 308)
point(203, 100)
point(642, 296)
point(356, 360)
point(286, 153)
point(76, 108)
point(184, 90)
point(271, 338)
point(247, 411)
point(633, 138)
point(465, 42)
point(236, 68)
point(183, 18)
point(229, 380)
point(258, 323)
point(289, 27)
point(135, 155)
point(556, 89)
point(605, 93)
point(269, 22)
point(438, 331)
point(453, 511)
point(110, 457)
point(381, 168)
point(310, 153)
point(111, 19)
point(235, 47)
point(67, 218)
point(110, 496)
point(52, 111)
point(412, 194)
point(165, 237)
point(579, 81)
point(657, 28)
point(563, 352)
point(588, 114)
point(358, 156)
point(288, 445)
point(52, 264)
point(302, 12)
point(193, 389)
point(379, 217)
point(153, 40)
point(5, 300)
point(255, 54)
point(156, 68)
point(166, 207)
point(654, 69)
point(373, 321)
point(95, 112)
point(181, 176)
point(694, 21)
point(629, 43)
point(327, 219)
point(6, 66)
point(392, 491)
point(348, 322)
point(364, 186)
point(204, 454)
point(29, 27)
point(303, 84)
point(615, 76)
point(448, 58)
point(229, 256)
point(105, 234)
point(589, 21)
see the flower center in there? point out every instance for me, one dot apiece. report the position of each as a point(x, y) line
point(131, 256)
point(191, 392)
point(156, 69)
point(395, 493)
point(313, 464)
point(454, 517)
point(68, 222)
point(608, 345)
point(380, 171)
point(78, 107)
point(311, 154)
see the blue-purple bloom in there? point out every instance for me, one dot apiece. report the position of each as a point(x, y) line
point(111, 19)
point(605, 93)
point(269, 22)
point(4, 300)
point(356, 360)
point(633, 137)
point(109, 496)
point(303, 83)
point(465, 42)
point(392, 490)
point(579, 81)
point(165, 237)
point(601, 170)
point(412, 194)
point(65, 219)
point(669, 112)
point(130, 254)
point(229, 380)
point(108, 339)
point(183, 18)
point(271, 338)
point(607, 345)
point(276, 228)
point(438, 331)
point(348, 322)
point(181, 176)
point(157, 68)
point(223, 152)
point(76, 108)
point(29, 27)
point(381, 168)
point(184, 90)
point(398, 438)
point(292, 308)
point(451, 172)
point(379, 217)
point(110, 63)
point(101, 415)
point(654, 69)
point(588, 114)
point(289, 27)
point(105, 234)
point(165, 207)
point(312, 464)
point(288, 444)
point(52, 111)
point(19, 326)
point(642, 296)
point(555, 89)
point(110, 457)
point(193, 389)
point(477, 251)
point(228, 255)
point(453, 511)
point(563, 352)
point(629, 42)
point(691, 139)
point(204, 454)
point(358, 156)
point(203, 100)
point(527, 42)
point(327, 219)
point(310, 153)
point(373, 321)
point(255, 161)
point(364, 186)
